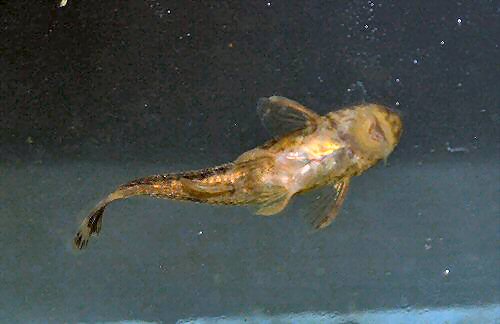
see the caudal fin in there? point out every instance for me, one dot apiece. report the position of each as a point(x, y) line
point(90, 225)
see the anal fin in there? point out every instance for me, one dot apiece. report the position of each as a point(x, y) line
point(272, 201)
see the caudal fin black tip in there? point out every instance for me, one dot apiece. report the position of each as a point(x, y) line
point(90, 225)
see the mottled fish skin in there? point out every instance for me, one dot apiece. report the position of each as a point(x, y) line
point(327, 150)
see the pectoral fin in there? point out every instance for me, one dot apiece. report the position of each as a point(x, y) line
point(281, 115)
point(329, 204)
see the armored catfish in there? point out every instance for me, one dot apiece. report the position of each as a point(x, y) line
point(308, 152)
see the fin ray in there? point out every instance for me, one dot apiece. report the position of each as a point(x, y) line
point(91, 225)
point(272, 201)
point(280, 115)
point(329, 204)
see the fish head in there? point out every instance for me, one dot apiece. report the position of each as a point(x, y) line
point(377, 129)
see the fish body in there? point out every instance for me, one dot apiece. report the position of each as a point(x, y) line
point(309, 151)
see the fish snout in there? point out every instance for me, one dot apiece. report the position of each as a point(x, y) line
point(391, 121)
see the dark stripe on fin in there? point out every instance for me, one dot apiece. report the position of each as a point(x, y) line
point(90, 225)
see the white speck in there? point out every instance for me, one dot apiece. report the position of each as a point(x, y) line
point(456, 149)
point(180, 37)
point(446, 272)
point(459, 21)
point(366, 26)
point(200, 232)
point(268, 4)
point(145, 105)
point(459, 84)
point(397, 103)
point(188, 34)
point(442, 43)
point(428, 244)
point(415, 61)
point(397, 80)
point(483, 110)
point(320, 79)
point(168, 11)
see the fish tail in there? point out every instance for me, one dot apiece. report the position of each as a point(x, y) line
point(92, 224)
point(179, 186)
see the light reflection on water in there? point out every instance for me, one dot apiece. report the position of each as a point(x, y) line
point(483, 314)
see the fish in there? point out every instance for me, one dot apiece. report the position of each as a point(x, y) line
point(307, 151)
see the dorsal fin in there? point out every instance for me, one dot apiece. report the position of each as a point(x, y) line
point(281, 115)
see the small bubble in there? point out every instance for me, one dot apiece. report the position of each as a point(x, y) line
point(442, 43)
point(200, 232)
point(268, 4)
point(397, 103)
point(459, 21)
point(366, 26)
point(397, 80)
point(446, 272)
point(415, 61)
